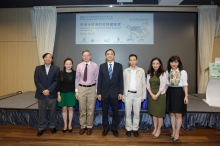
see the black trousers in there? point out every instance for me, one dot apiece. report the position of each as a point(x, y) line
point(114, 104)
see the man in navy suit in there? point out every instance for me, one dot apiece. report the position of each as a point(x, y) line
point(45, 79)
point(110, 90)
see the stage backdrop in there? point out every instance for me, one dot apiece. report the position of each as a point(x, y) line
point(173, 34)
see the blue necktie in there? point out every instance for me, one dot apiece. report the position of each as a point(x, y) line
point(110, 71)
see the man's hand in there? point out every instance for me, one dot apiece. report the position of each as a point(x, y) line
point(46, 92)
point(77, 95)
point(99, 97)
point(119, 96)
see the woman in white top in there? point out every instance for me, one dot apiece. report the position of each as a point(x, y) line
point(177, 94)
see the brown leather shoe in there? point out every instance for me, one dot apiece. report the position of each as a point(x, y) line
point(82, 131)
point(89, 131)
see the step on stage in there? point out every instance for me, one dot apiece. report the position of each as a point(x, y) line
point(22, 109)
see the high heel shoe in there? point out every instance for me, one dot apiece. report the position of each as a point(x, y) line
point(151, 134)
point(70, 130)
point(64, 131)
point(155, 136)
point(175, 140)
point(171, 136)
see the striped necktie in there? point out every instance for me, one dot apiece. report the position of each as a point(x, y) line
point(110, 71)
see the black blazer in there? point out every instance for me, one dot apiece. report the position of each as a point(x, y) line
point(113, 87)
point(64, 84)
point(44, 81)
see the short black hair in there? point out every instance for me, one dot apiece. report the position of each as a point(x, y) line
point(46, 55)
point(132, 55)
point(173, 59)
point(110, 50)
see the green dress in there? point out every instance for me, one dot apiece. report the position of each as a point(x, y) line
point(156, 107)
point(68, 98)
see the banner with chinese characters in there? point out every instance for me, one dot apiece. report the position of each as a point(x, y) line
point(114, 28)
point(214, 70)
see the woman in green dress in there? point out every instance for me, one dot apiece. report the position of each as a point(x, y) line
point(66, 93)
point(156, 86)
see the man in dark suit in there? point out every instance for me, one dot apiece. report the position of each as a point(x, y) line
point(110, 90)
point(45, 79)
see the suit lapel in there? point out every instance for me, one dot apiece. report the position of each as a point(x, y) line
point(114, 69)
point(43, 69)
point(106, 68)
point(129, 77)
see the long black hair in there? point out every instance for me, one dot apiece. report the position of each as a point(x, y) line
point(174, 58)
point(160, 70)
point(64, 68)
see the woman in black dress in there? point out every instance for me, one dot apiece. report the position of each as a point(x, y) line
point(177, 94)
point(66, 93)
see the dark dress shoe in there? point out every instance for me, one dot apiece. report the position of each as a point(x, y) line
point(128, 133)
point(70, 130)
point(89, 131)
point(136, 134)
point(115, 133)
point(53, 130)
point(175, 140)
point(105, 132)
point(82, 131)
point(40, 132)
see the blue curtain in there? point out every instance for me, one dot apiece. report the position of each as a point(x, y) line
point(121, 105)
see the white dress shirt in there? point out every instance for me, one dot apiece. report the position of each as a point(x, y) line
point(112, 63)
point(132, 86)
point(47, 68)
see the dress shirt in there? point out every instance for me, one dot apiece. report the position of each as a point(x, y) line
point(112, 63)
point(183, 78)
point(47, 68)
point(132, 86)
point(92, 74)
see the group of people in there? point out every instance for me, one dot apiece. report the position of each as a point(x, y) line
point(167, 90)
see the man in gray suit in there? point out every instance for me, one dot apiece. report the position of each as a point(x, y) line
point(45, 79)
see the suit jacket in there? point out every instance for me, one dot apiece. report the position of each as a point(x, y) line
point(64, 84)
point(44, 81)
point(110, 87)
point(140, 82)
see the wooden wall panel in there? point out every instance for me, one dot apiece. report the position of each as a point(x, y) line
point(15, 25)
point(18, 51)
point(216, 49)
point(17, 64)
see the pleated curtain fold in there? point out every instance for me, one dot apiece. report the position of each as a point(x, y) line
point(206, 35)
point(46, 20)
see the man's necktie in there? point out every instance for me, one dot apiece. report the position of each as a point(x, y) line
point(85, 74)
point(110, 71)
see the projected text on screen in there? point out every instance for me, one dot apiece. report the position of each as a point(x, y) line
point(114, 28)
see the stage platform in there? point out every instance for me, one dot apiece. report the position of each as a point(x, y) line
point(22, 109)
